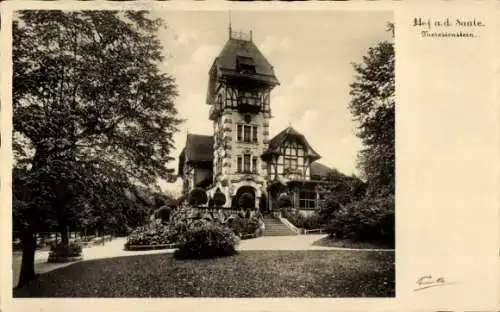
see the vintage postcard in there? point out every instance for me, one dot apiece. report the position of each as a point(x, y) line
point(250, 156)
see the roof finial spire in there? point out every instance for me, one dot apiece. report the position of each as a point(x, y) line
point(230, 30)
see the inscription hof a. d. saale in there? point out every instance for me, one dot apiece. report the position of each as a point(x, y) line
point(448, 27)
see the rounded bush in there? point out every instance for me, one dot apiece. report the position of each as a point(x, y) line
point(246, 201)
point(284, 201)
point(197, 197)
point(172, 203)
point(163, 213)
point(206, 240)
point(219, 199)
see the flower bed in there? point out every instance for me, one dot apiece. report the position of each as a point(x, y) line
point(246, 226)
point(152, 247)
point(159, 234)
point(154, 235)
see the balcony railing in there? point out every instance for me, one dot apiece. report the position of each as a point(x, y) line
point(293, 174)
point(249, 108)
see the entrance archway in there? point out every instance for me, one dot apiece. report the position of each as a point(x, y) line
point(244, 198)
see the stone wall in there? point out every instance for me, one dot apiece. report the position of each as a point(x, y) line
point(227, 149)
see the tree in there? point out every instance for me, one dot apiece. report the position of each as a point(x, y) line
point(372, 106)
point(338, 192)
point(197, 197)
point(284, 201)
point(246, 201)
point(92, 106)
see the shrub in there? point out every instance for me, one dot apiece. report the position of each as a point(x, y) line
point(154, 233)
point(246, 201)
point(284, 201)
point(172, 203)
point(368, 220)
point(197, 197)
point(219, 199)
point(206, 240)
point(60, 250)
point(242, 225)
point(163, 213)
point(310, 222)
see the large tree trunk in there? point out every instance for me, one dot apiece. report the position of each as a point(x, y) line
point(64, 234)
point(60, 205)
point(28, 241)
point(63, 222)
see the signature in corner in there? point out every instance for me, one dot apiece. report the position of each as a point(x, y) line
point(428, 281)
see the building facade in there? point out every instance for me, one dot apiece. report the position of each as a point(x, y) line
point(240, 157)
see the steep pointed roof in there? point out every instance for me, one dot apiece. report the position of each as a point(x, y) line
point(278, 140)
point(320, 171)
point(244, 51)
point(199, 148)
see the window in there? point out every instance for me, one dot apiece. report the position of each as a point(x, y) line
point(246, 162)
point(293, 160)
point(246, 133)
point(245, 64)
point(240, 132)
point(307, 200)
point(290, 163)
point(240, 166)
point(248, 98)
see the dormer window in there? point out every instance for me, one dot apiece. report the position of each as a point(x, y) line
point(245, 64)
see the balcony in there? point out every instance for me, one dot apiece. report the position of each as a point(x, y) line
point(245, 108)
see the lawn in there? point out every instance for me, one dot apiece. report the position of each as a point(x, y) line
point(346, 243)
point(312, 273)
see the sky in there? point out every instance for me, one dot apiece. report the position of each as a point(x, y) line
point(312, 53)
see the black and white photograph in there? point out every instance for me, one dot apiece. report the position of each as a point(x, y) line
point(203, 153)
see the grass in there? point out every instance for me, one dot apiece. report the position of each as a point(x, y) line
point(347, 243)
point(310, 273)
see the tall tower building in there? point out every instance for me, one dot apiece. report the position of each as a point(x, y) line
point(239, 158)
point(239, 88)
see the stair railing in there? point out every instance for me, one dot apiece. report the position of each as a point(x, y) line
point(289, 225)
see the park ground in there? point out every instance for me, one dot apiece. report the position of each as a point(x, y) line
point(279, 266)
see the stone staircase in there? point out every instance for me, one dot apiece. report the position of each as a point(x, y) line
point(274, 227)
